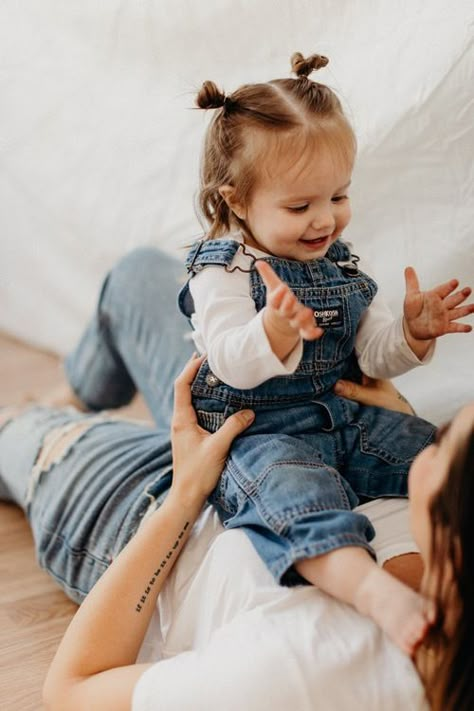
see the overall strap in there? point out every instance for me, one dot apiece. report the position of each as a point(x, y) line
point(339, 252)
point(205, 253)
point(213, 252)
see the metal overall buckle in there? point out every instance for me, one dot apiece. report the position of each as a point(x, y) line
point(350, 267)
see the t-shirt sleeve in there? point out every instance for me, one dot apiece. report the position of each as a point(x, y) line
point(231, 330)
point(381, 347)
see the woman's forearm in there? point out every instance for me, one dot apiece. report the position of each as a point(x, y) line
point(110, 625)
point(95, 666)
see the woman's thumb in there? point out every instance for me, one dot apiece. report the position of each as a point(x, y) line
point(236, 423)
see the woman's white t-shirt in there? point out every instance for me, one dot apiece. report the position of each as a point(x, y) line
point(228, 637)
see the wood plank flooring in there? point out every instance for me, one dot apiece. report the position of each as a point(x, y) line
point(34, 613)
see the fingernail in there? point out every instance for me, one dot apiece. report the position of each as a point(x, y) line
point(339, 388)
point(249, 416)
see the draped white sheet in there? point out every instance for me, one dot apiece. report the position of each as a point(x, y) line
point(99, 143)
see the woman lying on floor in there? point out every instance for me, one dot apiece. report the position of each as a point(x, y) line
point(110, 520)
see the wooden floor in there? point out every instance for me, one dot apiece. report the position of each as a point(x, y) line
point(33, 612)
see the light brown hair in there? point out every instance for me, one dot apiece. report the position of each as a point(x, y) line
point(292, 116)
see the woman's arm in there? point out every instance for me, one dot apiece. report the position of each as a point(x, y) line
point(94, 666)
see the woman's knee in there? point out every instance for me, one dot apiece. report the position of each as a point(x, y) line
point(145, 275)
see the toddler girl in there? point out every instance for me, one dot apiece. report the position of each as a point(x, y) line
point(283, 310)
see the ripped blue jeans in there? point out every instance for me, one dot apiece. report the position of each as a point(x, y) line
point(86, 481)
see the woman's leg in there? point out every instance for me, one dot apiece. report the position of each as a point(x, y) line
point(137, 338)
point(85, 483)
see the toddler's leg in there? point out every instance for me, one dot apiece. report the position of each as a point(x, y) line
point(352, 576)
point(379, 446)
point(137, 338)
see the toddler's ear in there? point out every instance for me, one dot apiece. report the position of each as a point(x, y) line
point(228, 193)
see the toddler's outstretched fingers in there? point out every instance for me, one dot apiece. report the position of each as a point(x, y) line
point(457, 298)
point(275, 297)
point(412, 285)
point(443, 290)
point(304, 321)
point(270, 279)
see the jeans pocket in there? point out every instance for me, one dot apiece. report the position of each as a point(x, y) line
point(394, 437)
point(210, 421)
point(227, 496)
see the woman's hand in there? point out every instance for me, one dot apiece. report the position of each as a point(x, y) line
point(379, 393)
point(199, 457)
point(429, 314)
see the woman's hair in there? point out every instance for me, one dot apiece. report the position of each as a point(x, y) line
point(451, 641)
point(279, 118)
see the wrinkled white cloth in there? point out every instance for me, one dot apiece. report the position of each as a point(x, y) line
point(100, 145)
point(228, 328)
point(228, 637)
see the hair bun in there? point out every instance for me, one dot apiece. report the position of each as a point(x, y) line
point(303, 67)
point(210, 96)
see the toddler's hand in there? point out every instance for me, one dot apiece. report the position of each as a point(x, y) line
point(429, 314)
point(287, 315)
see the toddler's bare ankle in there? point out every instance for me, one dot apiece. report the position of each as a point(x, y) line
point(403, 614)
point(366, 593)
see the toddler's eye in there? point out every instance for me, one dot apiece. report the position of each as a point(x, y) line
point(339, 198)
point(298, 208)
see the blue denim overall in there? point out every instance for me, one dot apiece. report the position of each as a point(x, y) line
point(293, 478)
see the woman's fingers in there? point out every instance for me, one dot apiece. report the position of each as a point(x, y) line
point(183, 412)
point(232, 427)
point(365, 394)
point(378, 393)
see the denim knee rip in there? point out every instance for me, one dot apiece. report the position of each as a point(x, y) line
point(7, 414)
point(56, 445)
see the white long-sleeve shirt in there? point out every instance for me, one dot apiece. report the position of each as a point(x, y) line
point(228, 328)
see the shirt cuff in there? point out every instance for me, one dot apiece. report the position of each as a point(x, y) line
point(405, 348)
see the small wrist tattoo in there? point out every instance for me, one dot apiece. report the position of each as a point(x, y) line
point(161, 567)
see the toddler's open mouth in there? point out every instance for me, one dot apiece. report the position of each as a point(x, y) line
point(316, 243)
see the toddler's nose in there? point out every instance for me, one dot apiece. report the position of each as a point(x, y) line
point(323, 223)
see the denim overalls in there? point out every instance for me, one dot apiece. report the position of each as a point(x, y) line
point(292, 479)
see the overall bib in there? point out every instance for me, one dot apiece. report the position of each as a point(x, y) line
point(292, 479)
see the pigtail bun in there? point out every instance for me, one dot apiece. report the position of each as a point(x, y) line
point(303, 67)
point(210, 96)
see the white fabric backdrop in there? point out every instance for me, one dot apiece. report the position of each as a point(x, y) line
point(99, 143)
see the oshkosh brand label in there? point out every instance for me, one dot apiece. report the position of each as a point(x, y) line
point(327, 318)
